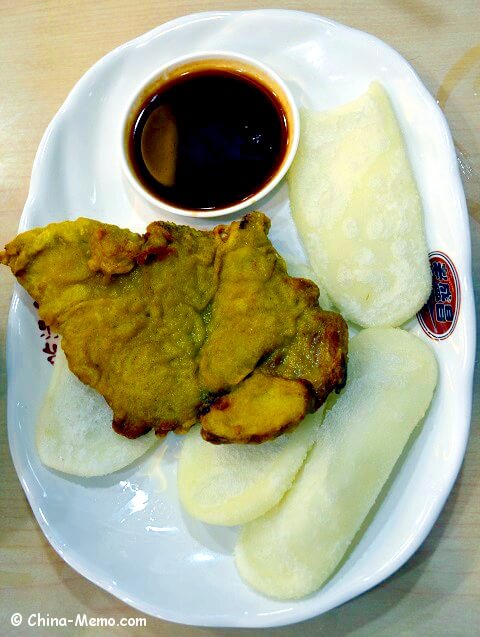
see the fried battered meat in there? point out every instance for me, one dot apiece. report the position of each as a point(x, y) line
point(180, 325)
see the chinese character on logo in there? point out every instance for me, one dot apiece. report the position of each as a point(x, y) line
point(439, 271)
point(442, 292)
point(444, 313)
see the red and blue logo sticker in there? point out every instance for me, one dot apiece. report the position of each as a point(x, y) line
point(438, 317)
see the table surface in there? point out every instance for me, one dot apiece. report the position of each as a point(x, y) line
point(45, 47)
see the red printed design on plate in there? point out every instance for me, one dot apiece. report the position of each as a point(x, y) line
point(439, 315)
point(50, 347)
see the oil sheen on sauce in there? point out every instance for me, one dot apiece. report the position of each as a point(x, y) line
point(207, 139)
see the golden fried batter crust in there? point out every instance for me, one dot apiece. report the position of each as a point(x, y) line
point(178, 325)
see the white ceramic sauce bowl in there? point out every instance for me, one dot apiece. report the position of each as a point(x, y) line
point(241, 64)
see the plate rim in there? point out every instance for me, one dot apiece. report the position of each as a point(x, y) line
point(295, 615)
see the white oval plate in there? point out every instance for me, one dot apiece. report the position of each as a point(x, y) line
point(127, 532)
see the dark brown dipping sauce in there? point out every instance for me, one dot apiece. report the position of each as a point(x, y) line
point(207, 139)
